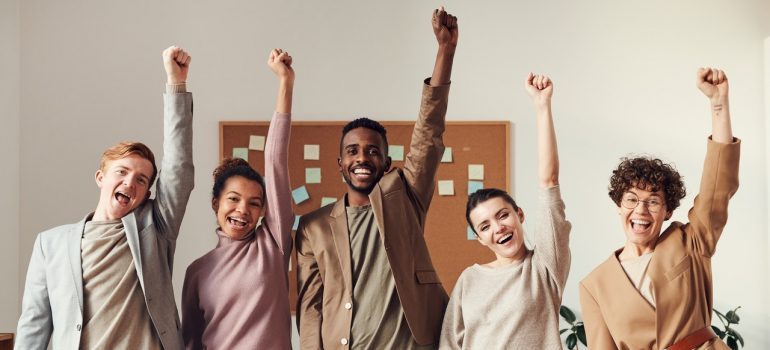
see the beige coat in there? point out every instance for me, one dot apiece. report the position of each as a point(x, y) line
point(400, 203)
point(615, 313)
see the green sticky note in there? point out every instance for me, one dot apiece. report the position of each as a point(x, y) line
point(447, 157)
point(327, 200)
point(241, 152)
point(300, 194)
point(470, 234)
point(474, 186)
point(446, 188)
point(296, 223)
point(396, 152)
point(313, 175)
point(475, 171)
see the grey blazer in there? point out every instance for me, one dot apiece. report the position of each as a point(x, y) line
point(53, 293)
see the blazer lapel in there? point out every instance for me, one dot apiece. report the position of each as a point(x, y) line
point(74, 236)
point(627, 287)
point(375, 198)
point(338, 223)
point(132, 236)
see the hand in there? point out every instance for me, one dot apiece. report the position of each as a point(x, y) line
point(713, 83)
point(539, 88)
point(177, 63)
point(445, 27)
point(280, 62)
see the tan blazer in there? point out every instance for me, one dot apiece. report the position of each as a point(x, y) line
point(400, 202)
point(616, 315)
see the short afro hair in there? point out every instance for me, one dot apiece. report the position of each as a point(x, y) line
point(365, 123)
point(650, 174)
point(235, 167)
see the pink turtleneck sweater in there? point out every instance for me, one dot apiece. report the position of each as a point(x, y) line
point(236, 296)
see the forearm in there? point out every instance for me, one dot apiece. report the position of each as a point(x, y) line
point(442, 70)
point(284, 99)
point(279, 216)
point(548, 157)
point(721, 129)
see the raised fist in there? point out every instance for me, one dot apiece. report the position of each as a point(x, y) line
point(712, 82)
point(539, 88)
point(177, 63)
point(445, 27)
point(280, 62)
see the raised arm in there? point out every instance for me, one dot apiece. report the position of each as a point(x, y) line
point(427, 145)
point(719, 180)
point(540, 89)
point(176, 175)
point(713, 83)
point(279, 216)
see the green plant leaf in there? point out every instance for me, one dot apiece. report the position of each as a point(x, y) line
point(571, 341)
point(563, 330)
point(719, 332)
point(722, 317)
point(738, 336)
point(732, 344)
point(568, 315)
point(732, 317)
point(581, 333)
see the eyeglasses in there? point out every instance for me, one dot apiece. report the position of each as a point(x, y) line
point(631, 201)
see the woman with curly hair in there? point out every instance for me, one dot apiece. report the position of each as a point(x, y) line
point(235, 296)
point(656, 291)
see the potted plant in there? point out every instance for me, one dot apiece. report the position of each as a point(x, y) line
point(729, 334)
point(575, 332)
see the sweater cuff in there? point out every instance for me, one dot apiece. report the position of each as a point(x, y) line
point(176, 88)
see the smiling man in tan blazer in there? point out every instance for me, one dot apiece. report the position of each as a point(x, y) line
point(365, 278)
point(656, 291)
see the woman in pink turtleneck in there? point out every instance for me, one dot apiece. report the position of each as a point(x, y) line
point(236, 296)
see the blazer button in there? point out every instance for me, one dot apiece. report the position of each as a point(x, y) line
point(344, 341)
point(348, 306)
point(78, 327)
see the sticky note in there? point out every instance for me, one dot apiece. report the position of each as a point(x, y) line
point(312, 152)
point(289, 262)
point(447, 157)
point(396, 152)
point(296, 223)
point(327, 200)
point(241, 152)
point(313, 175)
point(470, 234)
point(476, 171)
point(300, 194)
point(474, 186)
point(446, 188)
point(257, 142)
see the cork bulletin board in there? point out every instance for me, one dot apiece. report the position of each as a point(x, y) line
point(447, 236)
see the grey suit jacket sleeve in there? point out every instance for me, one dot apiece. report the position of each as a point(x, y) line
point(176, 176)
point(36, 322)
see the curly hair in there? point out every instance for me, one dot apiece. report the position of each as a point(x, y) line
point(234, 167)
point(650, 174)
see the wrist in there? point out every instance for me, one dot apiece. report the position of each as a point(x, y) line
point(446, 49)
point(175, 81)
point(542, 107)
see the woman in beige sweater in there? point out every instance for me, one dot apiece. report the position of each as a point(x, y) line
point(513, 302)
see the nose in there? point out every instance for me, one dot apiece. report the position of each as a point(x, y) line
point(641, 207)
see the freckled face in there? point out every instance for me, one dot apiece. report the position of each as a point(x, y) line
point(239, 206)
point(498, 226)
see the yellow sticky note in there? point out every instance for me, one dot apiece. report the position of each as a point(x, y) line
point(446, 188)
point(257, 142)
point(396, 152)
point(475, 171)
point(312, 152)
point(313, 175)
point(447, 157)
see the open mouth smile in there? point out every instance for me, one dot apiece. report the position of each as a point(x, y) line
point(122, 198)
point(237, 222)
point(505, 239)
point(639, 225)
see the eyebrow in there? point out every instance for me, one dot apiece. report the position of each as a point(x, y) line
point(653, 194)
point(486, 221)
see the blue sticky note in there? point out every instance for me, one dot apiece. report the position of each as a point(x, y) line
point(296, 223)
point(241, 152)
point(327, 200)
point(474, 186)
point(471, 235)
point(396, 152)
point(300, 194)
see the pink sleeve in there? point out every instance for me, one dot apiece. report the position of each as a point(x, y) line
point(279, 216)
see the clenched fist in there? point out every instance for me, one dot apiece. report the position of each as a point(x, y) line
point(177, 63)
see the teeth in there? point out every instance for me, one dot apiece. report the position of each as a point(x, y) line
point(237, 221)
point(505, 238)
point(361, 171)
point(640, 222)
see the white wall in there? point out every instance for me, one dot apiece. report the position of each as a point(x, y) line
point(9, 153)
point(624, 73)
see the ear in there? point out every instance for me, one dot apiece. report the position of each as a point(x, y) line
point(520, 213)
point(668, 214)
point(147, 196)
point(215, 204)
point(388, 162)
point(98, 177)
point(339, 163)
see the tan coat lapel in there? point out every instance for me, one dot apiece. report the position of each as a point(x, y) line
point(338, 223)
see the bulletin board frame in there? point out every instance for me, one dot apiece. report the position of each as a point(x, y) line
point(452, 246)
